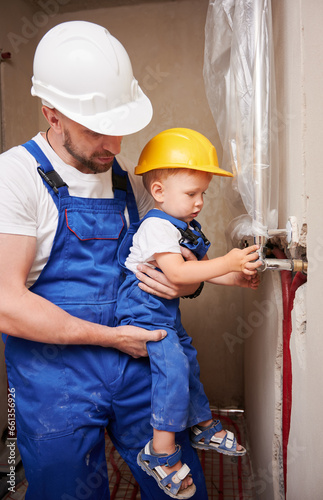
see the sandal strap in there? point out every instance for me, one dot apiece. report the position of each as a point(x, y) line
point(175, 479)
point(156, 459)
point(208, 433)
point(229, 442)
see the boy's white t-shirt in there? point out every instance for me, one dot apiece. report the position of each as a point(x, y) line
point(26, 207)
point(154, 235)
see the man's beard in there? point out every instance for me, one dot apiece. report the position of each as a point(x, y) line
point(88, 163)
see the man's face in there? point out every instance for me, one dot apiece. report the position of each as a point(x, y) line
point(89, 151)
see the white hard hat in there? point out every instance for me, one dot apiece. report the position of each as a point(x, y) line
point(85, 73)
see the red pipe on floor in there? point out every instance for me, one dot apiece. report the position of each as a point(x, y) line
point(289, 288)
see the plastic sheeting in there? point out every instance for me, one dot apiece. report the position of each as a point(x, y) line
point(239, 81)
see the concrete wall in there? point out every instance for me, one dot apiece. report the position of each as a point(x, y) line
point(299, 68)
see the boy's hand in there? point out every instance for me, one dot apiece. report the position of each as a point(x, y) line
point(245, 260)
point(246, 281)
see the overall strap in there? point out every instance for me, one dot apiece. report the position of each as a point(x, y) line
point(122, 189)
point(186, 232)
point(51, 179)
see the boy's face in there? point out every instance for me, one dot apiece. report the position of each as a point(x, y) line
point(182, 194)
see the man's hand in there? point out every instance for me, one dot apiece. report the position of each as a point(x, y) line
point(156, 283)
point(132, 340)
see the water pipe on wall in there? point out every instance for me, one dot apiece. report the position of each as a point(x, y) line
point(261, 123)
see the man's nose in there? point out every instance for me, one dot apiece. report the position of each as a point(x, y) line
point(112, 143)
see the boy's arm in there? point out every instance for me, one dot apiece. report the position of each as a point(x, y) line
point(237, 279)
point(179, 271)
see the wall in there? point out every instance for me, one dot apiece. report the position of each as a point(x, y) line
point(19, 36)
point(298, 49)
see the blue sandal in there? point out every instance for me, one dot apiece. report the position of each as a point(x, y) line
point(151, 463)
point(204, 439)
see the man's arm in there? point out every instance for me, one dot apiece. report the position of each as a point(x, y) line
point(27, 315)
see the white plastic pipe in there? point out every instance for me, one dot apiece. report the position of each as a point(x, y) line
point(261, 118)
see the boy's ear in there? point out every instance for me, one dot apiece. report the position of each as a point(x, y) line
point(157, 191)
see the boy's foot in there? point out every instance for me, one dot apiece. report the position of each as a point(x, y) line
point(213, 437)
point(172, 478)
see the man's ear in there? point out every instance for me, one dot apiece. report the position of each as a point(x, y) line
point(53, 118)
point(157, 191)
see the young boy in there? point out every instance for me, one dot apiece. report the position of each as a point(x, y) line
point(177, 166)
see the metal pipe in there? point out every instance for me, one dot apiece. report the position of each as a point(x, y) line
point(294, 265)
point(261, 134)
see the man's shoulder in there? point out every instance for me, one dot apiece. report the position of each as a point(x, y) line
point(14, 158)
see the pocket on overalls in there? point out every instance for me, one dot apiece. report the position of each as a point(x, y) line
point(91, 266)
point(87, 225)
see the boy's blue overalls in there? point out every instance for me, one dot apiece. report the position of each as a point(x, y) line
point(178, 398)
point(66, 395)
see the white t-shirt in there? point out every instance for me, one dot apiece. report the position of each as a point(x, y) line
point(154, 235)
point(26, 207)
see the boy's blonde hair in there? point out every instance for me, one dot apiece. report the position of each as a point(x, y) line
point(159, 174)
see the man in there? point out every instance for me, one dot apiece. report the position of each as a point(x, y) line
point(65, 205)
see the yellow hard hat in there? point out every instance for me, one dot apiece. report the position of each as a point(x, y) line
point(180, 148)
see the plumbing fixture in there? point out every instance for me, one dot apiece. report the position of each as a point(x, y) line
point(291, 235)
point(293, 265)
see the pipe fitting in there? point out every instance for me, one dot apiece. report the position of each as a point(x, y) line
point(293, 265)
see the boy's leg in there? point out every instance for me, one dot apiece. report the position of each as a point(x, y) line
point(169, 365)
point(130, 429)
point(199, 409)
point(170, 373)
point(200, 412)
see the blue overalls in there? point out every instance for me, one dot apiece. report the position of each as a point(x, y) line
point(66, 395)
point(178, 398)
